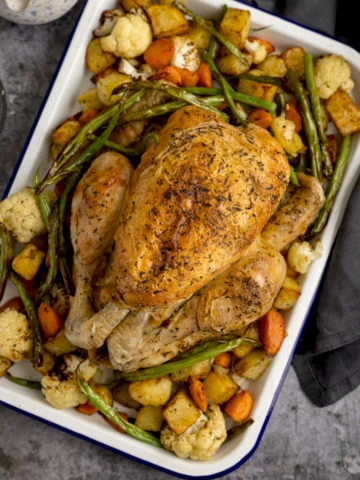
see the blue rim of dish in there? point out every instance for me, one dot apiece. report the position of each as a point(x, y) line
point(288, 364)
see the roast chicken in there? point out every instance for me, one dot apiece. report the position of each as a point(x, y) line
point(198, 241)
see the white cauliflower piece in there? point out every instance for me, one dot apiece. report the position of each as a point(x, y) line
point(256, 50)
point(128, 68)
point(199, 442)
point(141, 73)
point(186, 54)
point(61, 389)
point(302, 254)
point(21, 215)
point(330, 73)
point(16, 338)
point(130, 36)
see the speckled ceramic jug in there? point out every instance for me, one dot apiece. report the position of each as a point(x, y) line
point(34, 11)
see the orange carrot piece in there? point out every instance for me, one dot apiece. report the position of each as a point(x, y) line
point(268, 45)
point(117, 428)
point(88, 115)
point(50, 321)
point(260, 117)
point(14, 304)
point(223, 359)
point(292, 113)
point(198, 393)
point(205, 77)
point(87, 408)
point(169, 74)
point(159, 53)
point(272, 331)
point(239, 406)
point(188, 78)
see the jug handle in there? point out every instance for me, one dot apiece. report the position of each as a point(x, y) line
point(17, 6)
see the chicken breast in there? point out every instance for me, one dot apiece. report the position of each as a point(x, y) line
point(197, 202)
point(237, 297)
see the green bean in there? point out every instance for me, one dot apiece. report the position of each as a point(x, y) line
point(84, 157)
point(213, 42)
point(203, 352)
point(260, 78)
point(23, 382)
point(237, 429)
point(129, 151)
point(73, 146)
point(6, 253)
point(53, 243)
point(215, 33)
point(42, 201)
point(293, 177)
point(62, 247)
point(32, 317)
point(316, 110)
point(226, 88)
point(114, 416)
point(281, 104)
point(334, 185)
point(309, 126)
point(217, 98)
point(173, 91)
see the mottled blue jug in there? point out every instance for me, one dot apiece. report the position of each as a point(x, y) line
point(34, 11)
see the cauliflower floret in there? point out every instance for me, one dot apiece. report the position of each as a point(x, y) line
point(16, 339)
point(186, 54)
point(301, 254)
point(332, 72)
point(61, 389)
point(257, 51)
point(21, 215)
point(130, 36)
point(199, 442)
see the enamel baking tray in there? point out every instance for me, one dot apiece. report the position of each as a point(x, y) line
point(72, 79)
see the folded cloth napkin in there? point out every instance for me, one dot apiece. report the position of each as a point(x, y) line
point(327, 361)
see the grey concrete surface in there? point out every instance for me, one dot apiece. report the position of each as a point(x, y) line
point(301, 442)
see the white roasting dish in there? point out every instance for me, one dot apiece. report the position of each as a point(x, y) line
point(71, 79)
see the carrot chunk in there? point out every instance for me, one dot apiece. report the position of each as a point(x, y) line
point(272, 331)
point(223, 359)
point(169, 74)
point(88, 115)
point(188, 78)
point(198, 393)
point(292, 113)
point(239, 406)
point(114, 425)
point(50, 321)
point(205, 77)
point(260, 117)
point(87, 408)
point(159, 53)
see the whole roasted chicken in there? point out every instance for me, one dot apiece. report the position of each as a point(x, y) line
point(197, 246)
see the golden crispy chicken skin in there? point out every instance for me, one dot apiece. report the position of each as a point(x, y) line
point(197, 202)
point(95, 214)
